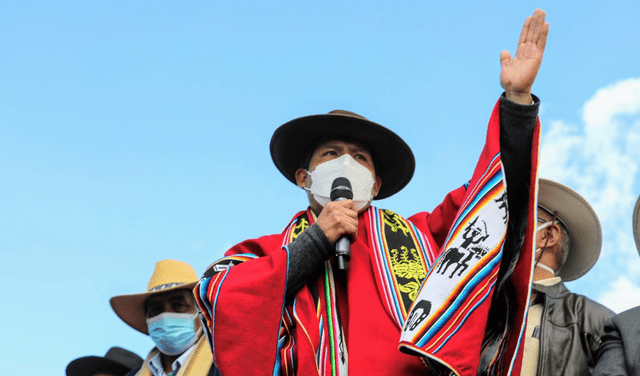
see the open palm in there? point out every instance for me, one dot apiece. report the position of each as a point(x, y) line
point(519, 73)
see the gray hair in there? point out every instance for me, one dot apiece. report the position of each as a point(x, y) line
point(564, 245)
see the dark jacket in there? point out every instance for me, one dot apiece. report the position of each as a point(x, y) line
point(620, 350)
point(571, 332)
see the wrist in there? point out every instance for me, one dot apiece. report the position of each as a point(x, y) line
point(523, 98)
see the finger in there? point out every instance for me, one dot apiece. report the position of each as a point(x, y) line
point(536, 26)
point(542, 42)
point(347, 209)
point(525, 31)
point(539, 15)
point(346, 224)
point(352, 230)
point(532, 36)
point(505, 57)
point(348, 204)
point(346, 215)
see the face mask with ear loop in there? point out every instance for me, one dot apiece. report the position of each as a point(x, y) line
point(547, 226)
point(173, 333)
point(360, 177)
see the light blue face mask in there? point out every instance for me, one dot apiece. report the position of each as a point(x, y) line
point(173, 333)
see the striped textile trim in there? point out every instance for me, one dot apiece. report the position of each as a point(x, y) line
point(456, 298)
point(459, 318)
point(322, 355)
point(296, 227)
point(489, 179)
point(296, 319)
point(389, 267)
point(207, 289)
point(334, 328)
point(287, 363)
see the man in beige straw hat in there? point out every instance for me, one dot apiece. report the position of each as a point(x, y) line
point(167, 313)
point(620, 351)
point(564, 330)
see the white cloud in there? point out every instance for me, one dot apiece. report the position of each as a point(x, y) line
point(622, 295)
point(600, 159)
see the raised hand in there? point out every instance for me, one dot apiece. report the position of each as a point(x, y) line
point(519, 73)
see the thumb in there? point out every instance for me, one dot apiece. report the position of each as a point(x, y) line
point(505, 57)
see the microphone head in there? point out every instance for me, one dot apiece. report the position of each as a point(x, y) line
point(341, 189)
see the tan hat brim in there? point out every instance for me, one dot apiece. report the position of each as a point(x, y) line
point(581, 221)
point(636, 224)
point(130, 308)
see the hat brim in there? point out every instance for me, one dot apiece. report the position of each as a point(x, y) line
point(636, 224)
point(393, 159)
point(90, 365)
point(581, 222)
point(130, 308)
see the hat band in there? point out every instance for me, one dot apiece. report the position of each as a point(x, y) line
point(165, 286)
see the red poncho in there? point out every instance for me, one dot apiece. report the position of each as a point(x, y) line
point(396, 267)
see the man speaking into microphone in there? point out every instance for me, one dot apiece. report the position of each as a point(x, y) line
point(438, 292)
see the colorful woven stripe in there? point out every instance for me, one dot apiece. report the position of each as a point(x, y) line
point(402, 258)
point(463, 277)
point(206, 291)
point(297, 226)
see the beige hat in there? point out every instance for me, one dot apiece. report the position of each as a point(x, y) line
point(636, 224)
point(168, 275)
point(580, 220)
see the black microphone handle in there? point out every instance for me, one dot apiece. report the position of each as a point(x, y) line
point(342, 252)
point(341, 190)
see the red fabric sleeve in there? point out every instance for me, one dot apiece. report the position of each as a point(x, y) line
point(439, 221)
point(247, 302)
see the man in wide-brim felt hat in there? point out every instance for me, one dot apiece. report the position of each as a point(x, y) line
point(285, 304)
point(620, 350)
point(167, 313)
point(116, 362)
point(564, 329)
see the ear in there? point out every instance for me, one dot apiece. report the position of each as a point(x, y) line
point(376, 186)
point(551, 236)
point(301, 178)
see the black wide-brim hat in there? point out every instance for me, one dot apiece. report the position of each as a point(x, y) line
point(117, 361)
point(293, 142)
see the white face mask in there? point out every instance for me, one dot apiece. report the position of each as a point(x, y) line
point(540, 264)
point(359, 176)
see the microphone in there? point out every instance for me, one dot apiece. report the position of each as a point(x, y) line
point(341, 190)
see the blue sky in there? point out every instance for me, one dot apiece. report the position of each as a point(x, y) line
point(132, 132)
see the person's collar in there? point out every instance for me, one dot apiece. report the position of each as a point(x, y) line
point(547, 282)
point(155, 363)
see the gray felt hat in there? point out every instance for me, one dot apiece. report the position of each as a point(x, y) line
point(580, 220)
point(636, 224)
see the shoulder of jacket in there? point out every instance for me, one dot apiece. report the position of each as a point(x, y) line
point(580, 310)
point(590, 306)
point(630, 314)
